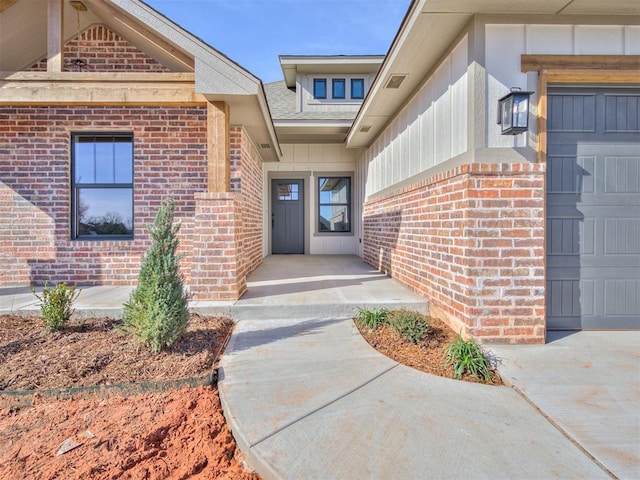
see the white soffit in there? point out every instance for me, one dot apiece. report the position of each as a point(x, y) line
point(429, 29)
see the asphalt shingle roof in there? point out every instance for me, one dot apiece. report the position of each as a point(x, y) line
point(282, 103)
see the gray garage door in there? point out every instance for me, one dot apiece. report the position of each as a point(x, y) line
point(593, 208)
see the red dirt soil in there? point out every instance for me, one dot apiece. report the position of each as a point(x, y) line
point(179, 434)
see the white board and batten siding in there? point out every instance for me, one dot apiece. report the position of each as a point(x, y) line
point(429, 130)
point(308, 162)
point(504, 45)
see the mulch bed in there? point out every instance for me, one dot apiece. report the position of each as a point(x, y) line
point(427, 356)
point(94, 352)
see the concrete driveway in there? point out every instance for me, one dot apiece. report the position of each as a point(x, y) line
point(588, 385)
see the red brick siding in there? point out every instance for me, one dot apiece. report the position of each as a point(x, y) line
point(471, 241)
point(170, 155)
point(246, 178)
point(227, 237)
point(217, 251)
point(105, 51)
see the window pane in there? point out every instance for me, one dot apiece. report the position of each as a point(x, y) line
point(84, 165)
point(334, 190)
point(104, 161)
point(334, 204)
point(105, 211)
point(334, 218)
point(338, 88)
point(124, 161)
point(319, 88)
point(288, 191)
point(357, 88)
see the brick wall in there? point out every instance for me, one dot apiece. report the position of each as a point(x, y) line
point(217, 272)
point(227, 237)
point(170, 155)
point(246, 178)
point(471, 241)
point(105, 51)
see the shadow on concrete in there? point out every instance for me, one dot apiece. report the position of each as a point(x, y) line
point(246, 340)
point(555, 335)
point(277, 267)
point(286, 288)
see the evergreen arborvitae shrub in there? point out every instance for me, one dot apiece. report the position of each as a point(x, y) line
point(157, 311)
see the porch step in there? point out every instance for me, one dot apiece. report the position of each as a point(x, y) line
point(241, 311)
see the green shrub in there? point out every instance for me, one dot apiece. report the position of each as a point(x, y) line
point(371, 319)
point(467, 356)
point(157, 312)
point(56, 304)
point(412, 326)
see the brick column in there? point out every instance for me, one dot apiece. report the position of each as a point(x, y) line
point(471, 241)
point(216, 251)
point(506, 262)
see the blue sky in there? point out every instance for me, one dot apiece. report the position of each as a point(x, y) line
point(254, 32)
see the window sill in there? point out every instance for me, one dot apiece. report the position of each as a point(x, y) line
point(95, 238)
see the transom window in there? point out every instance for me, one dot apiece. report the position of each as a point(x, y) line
point(357, 88)
point(338, 88)
point(101, 186)
point(334, 204)
point(320, 88)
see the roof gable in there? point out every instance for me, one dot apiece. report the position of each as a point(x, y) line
point(23, 41)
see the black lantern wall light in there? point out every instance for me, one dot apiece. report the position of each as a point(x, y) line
point(513, 112)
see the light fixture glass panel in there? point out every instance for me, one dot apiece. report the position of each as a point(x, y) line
point(507, 107)
point(520, 110)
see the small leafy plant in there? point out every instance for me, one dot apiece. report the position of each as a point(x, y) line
point(412, 326)
point(56, 304)
point(372, 319)
point(467, 356)
point(157, 312)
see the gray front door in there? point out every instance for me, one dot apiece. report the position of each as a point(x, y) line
point(593, 209)
point(287, 216)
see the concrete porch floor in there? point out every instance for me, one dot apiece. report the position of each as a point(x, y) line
point(283, 286)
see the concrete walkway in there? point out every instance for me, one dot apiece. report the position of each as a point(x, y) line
point(311, 399)
point(588, 384)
